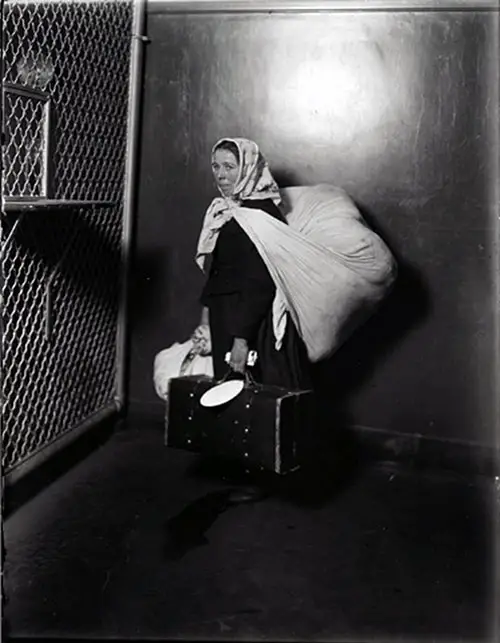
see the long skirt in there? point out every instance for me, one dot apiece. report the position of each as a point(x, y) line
point(287, 367)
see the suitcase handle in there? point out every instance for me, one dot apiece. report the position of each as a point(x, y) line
point(248, 377)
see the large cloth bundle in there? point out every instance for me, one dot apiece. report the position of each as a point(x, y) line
point(331, 270)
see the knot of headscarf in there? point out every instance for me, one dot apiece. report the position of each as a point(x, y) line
point(255, 181)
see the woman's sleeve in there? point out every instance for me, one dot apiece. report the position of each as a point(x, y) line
point(256, 289)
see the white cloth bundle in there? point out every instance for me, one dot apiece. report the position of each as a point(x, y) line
point(179, 359)
point(330, 269)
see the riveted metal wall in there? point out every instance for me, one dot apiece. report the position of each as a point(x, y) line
point(398, 107)
point(62, 269)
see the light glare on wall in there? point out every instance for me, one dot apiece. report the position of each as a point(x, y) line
point(335, 99)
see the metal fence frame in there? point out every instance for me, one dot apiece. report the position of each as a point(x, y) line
point(113, 408)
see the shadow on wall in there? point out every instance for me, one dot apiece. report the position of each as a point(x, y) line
point(338, 378)
point(150, 276)
point(80, 253)
point(79, 265)
point(286, 178)
point(354, 364)
point(406, 306)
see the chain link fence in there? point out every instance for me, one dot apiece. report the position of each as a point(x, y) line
point(25, 152)
point(61, 268)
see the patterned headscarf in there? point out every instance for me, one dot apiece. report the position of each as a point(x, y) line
point(255, 181)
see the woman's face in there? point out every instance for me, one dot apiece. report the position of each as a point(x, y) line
point(226, 168)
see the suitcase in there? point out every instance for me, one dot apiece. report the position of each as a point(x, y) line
point(264, 427)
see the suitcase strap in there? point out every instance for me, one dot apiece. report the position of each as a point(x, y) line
point(194, 396)
point(247, 419)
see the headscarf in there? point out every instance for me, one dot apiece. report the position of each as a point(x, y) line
point(255, 181)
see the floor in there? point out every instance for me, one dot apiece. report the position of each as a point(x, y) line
point(138, 541)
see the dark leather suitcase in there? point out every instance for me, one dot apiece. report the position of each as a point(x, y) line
point(263, 427)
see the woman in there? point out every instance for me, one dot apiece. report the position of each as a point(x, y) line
point(239, 292)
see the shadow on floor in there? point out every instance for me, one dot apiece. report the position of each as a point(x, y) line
point(57, 465)
point(137, 541)
point(331, 463)
point(187, 530)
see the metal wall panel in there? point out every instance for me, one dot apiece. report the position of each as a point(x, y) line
point(400, 108)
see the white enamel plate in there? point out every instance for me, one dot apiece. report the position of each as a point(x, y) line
point(222, 393)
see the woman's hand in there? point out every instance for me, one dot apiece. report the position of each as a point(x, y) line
point(201, 340)
point(239, 355)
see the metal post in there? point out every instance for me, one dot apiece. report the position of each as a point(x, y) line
point(136, 58)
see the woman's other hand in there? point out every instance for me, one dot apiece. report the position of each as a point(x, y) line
point(239, 355)
point(219, 206)
point(201, 340)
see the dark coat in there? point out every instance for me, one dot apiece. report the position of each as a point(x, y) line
point(238, 270)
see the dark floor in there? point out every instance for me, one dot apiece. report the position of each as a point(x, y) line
point(133, 542)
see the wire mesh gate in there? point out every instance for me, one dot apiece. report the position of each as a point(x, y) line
point(62, 268)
